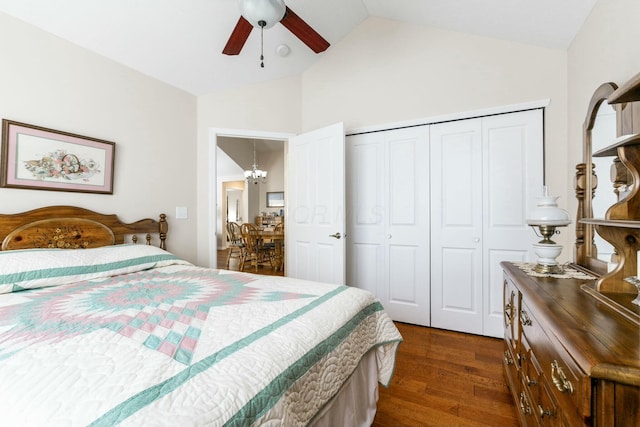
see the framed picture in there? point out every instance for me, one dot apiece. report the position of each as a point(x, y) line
point(45, 159)
point(275, 199)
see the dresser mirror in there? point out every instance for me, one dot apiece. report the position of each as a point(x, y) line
point(592, 251)
point(602, 136)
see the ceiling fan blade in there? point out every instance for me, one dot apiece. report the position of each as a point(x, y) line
point(304, 32)
point(238, 37)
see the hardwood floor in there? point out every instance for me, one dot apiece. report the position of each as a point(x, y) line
point(234, 264)
point(441, 378)
point(445, 378)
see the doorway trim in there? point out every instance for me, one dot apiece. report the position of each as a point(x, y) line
point(214, 133)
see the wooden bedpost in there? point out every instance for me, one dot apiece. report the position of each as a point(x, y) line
point(163, 228)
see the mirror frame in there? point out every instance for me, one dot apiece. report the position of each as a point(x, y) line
point(585, 185)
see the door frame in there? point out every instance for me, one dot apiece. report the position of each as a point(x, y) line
point(214, 133)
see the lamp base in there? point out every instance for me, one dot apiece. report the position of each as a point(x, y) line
point(547, 254)
point(548, 269)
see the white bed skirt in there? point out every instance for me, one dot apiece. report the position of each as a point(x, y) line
point(355, 403)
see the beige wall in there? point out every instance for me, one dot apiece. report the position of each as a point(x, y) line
point(48, 82)
point(388, 71)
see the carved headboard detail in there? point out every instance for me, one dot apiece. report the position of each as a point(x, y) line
point(70, 227)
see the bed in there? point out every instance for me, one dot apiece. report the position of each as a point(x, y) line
point(101, 325)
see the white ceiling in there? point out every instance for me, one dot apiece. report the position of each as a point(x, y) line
point(180, 41)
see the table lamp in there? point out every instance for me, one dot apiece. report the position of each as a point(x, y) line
point(547, 216)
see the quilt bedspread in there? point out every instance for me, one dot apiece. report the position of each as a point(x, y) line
point(180, 345)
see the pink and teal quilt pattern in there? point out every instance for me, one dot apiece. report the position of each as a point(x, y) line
point(163, 312)
point(176, 344)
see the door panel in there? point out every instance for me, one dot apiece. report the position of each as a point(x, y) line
point(402, 262)
point(513, 173)
point(387, 199)
point(365, 265)
point(315, 205)
point(456, 226)
point(487, 173)
point(402, 182)
point(458, 265)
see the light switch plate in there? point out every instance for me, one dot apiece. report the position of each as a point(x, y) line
point(182, 212)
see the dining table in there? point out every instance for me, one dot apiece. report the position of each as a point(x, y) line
point(270, 235)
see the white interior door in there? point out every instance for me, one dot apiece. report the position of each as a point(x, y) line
point(486, 176)
point(513, 173)
point(315, 218)
point(388, 226)
point(456, 226)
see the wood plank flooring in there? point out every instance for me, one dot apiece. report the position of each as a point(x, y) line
point(445, 378)
point(441, 378)
point(234, 264)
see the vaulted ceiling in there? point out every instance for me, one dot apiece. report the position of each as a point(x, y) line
point(180, 41)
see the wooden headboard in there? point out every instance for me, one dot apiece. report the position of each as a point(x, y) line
point(70, 227)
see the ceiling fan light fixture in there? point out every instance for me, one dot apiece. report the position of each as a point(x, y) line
point(270, 12)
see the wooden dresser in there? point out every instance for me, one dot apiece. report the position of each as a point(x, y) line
point(569, 359)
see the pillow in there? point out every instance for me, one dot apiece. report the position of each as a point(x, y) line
point(37, 268)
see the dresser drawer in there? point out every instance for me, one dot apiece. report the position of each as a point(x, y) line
point(543, 403)
point(560, 335)
point(551, 366)
point(511, 304)
point(526, 404)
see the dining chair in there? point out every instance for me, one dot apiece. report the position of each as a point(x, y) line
point(255, 250)
point(278, 253)
point(236, 245)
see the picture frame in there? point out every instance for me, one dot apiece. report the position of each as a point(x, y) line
point(275, 199)
point(38, 158)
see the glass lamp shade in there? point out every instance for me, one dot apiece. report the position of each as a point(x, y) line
point(548, 213)
point(269, 11)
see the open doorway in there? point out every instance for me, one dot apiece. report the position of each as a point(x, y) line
point(233, 208)
point(235, 199)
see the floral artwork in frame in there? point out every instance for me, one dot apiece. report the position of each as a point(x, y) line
point(38, 158)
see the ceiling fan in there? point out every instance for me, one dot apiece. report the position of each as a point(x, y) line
point(265, 14)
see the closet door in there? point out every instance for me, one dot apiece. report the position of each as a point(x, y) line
point(486, 176)
point(456, 226)
point(388, 217)
point(513, 172)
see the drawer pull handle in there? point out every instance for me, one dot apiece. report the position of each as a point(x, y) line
point(507, 312)
point(524, 318)
point(524, 404)
point(529, 381)
point(508, 360)
point(508, 308)
point(560, 379)
point(543, 412)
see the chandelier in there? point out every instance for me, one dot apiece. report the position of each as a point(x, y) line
point(255, 175)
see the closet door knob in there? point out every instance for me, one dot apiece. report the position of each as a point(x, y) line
point(476, 239)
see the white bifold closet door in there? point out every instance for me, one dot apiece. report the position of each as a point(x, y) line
point(388, 219)
point(486, 174)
